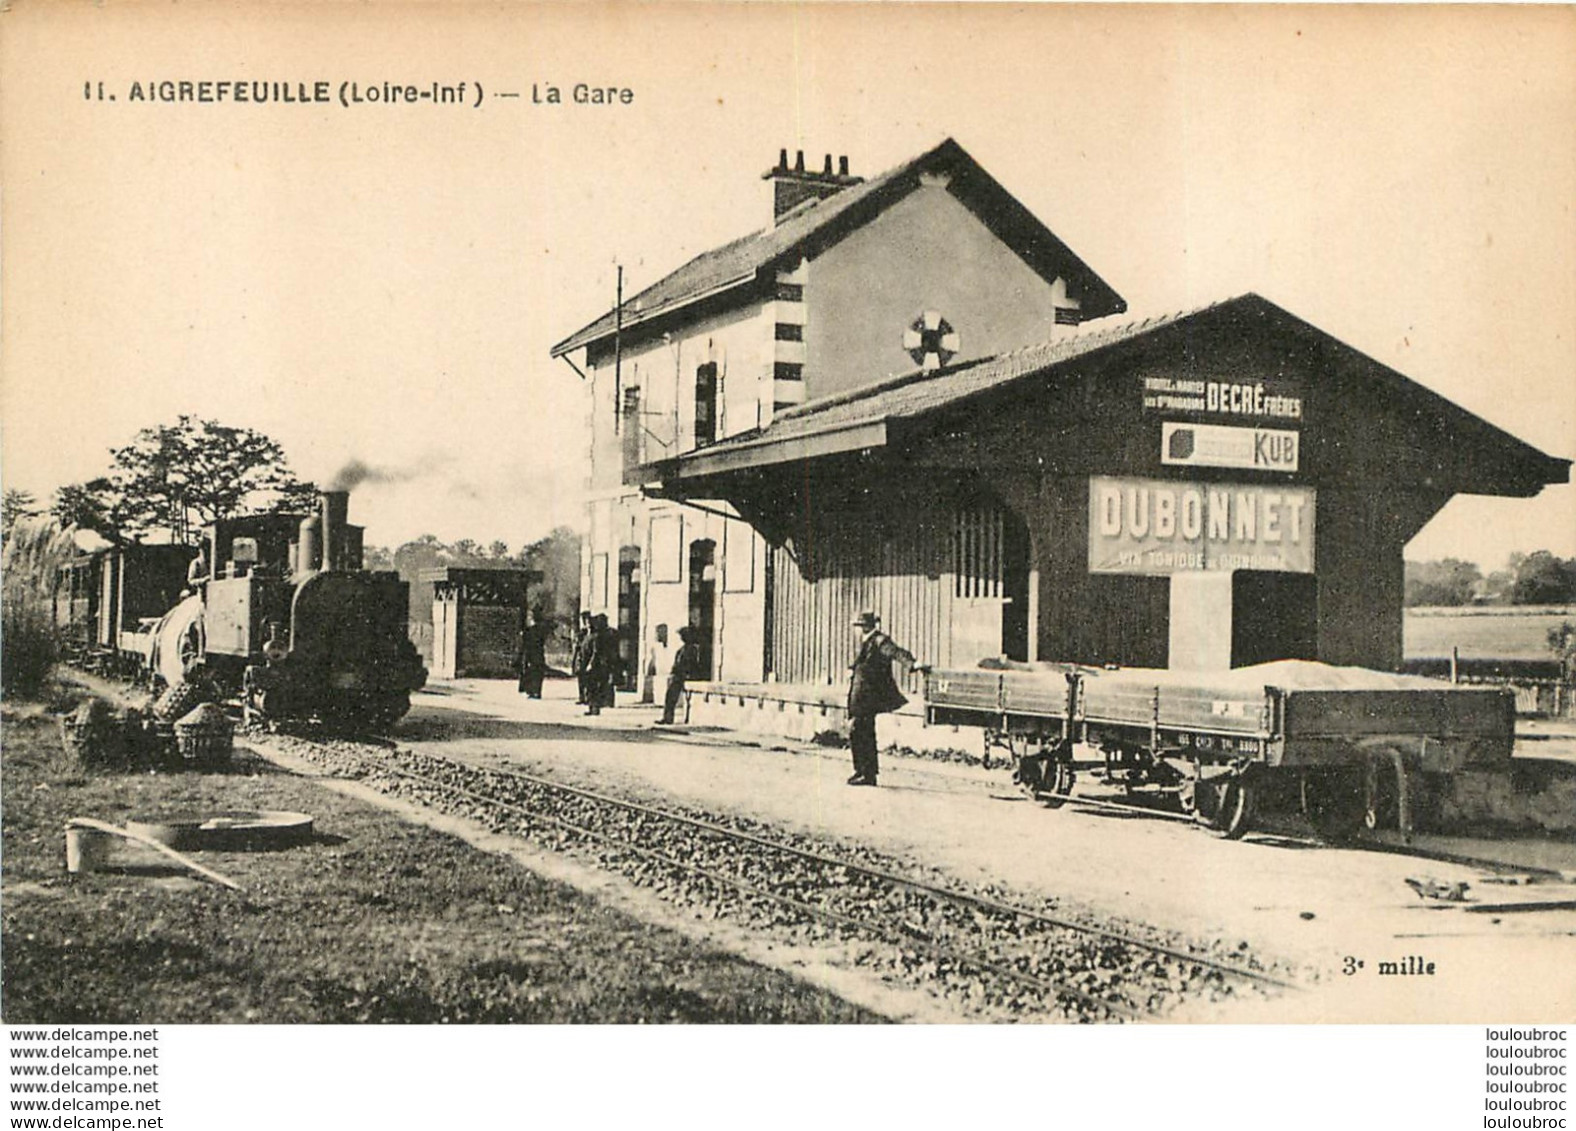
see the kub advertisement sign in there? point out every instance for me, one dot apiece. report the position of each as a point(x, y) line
point(1222, 445)
point(1159, 526)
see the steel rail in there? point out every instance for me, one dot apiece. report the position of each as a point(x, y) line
point(894, 935)
point(934, 890)
point(1358, 843)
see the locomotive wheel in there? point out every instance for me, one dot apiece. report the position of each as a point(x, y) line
point(368, 712)
point(1227, 805)
point(388, 709)
point(1335, 804)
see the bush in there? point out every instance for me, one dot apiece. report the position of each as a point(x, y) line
point(30, 648)
point(34, 550)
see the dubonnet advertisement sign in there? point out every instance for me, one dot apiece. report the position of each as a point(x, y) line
point(1162, 526)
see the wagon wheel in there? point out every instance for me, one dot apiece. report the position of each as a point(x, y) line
point(1059, 779)
point(1120, 766)
point(1227, 805)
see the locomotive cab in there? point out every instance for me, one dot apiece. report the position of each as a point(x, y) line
point(294, 623)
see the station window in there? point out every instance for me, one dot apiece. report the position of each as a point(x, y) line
point(790, 332)
point(706, 404)
point(790, 292)
point(788, 371)
point(632, 429)
point(977, 552)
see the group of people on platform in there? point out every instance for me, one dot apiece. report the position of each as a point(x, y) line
point(596, 665)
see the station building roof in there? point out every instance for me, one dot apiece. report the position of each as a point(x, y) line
point(1472, 455)
point(818, 224)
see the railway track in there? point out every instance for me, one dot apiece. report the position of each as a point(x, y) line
point(996, 958)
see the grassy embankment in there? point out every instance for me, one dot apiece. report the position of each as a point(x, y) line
point(376, 920)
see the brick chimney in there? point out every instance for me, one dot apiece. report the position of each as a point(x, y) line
point(791, 187)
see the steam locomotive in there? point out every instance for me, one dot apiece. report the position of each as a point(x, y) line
point(283, 615)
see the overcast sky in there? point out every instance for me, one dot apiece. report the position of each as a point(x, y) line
point(384, 282)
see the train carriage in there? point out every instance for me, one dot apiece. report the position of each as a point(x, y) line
point(1344, 746)
point(107, 598)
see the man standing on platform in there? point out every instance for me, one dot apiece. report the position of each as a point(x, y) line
point(685, 663)
point(601, 666)
point(872, 691)
point(580, 654)
point(532, 659)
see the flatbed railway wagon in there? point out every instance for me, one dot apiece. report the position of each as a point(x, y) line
point(1346, 747)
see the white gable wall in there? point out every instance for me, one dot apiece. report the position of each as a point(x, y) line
point(927, 252)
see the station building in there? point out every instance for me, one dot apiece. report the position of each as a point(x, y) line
point(908, 395)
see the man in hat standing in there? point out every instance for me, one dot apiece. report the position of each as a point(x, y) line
point(580, 655)
point(601, 665)
point(685, 664)
point(531, 659)
point(872, 691)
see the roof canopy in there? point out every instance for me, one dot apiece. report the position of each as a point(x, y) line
point(1423, 439)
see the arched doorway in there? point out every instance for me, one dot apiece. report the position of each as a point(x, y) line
point(629, 618)
point(703, 599)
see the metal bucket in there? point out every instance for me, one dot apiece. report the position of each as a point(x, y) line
point(87, 850)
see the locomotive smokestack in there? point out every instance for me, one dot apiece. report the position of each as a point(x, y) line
point(336, 511)
point(309, 546)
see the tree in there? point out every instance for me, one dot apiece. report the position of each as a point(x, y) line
point(183, 476)
point(558, 557)
point(95, 505)
point(1447, 582)
point(1497, 586)
point(16, 504)
point(1543, 579)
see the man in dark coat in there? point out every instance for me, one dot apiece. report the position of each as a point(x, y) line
point(686, 664)
point(872, 691)
point(601, 666)
point(532, 658)
point(577, 659)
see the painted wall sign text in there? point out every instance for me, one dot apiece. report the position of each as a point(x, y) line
point(1253, 399)
point(1222, 445)
point(1157, 526)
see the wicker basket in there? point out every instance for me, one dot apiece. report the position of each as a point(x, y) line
point(205, 738)
point(93, 735)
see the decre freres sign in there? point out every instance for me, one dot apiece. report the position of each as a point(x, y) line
point(1273, 400)
point(1161, 526)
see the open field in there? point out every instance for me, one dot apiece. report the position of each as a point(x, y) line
point(1496, 632)
point(375, 920)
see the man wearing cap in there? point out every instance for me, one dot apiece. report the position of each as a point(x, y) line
point(685, 665)
point(872, 691)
